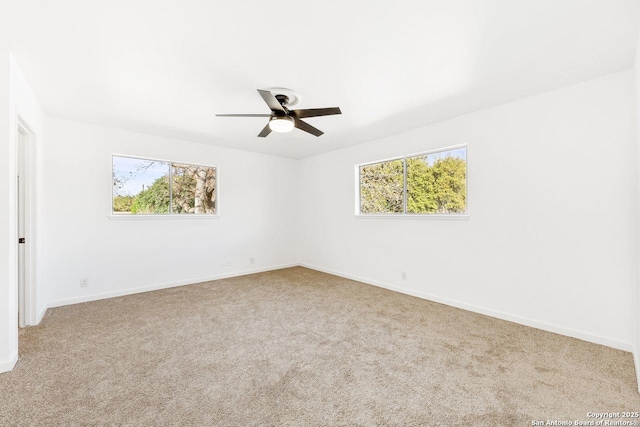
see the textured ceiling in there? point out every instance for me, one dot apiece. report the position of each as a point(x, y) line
point(166, 67)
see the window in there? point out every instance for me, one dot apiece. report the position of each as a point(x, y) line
point(430, 183)
point(156, 187)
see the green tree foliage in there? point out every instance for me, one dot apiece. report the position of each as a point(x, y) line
point(381, 187)
point(122, 203)
point(153, 200)
point(194, 189)
point(436, 187)
point(439, 188)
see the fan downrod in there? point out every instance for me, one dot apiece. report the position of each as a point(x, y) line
point(282, 99)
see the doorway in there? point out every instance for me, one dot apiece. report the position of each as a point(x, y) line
point(22, 223)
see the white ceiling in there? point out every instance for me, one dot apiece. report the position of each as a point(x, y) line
point(166, 67)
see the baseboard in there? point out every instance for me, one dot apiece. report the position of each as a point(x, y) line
point(41, 314)
point(9, 364)
point(120, 293)
point(585, 336)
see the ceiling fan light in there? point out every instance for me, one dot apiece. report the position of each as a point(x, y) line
point(281, 124)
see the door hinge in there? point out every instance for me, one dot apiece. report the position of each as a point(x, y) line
point(21, 240)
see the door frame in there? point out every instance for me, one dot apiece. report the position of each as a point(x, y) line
point(29, 306)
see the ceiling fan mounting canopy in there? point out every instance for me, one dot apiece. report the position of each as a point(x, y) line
point(282, 119)
point(291, 97)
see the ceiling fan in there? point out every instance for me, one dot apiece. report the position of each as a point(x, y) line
point(282, 119)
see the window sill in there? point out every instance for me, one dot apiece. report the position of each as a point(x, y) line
point(449, 217)
point(156, 217)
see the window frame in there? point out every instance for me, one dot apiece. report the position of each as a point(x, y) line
point(405, 214)
point(170, 214)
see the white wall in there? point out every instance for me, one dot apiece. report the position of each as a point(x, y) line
point(8, 318)
point(551, 239)
point(121, 256)
point(16, 101)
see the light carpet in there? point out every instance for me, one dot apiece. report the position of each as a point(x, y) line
point(297, 347)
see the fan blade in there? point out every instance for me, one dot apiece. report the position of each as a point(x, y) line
point(307, 127)
point(315, 112)
point(266, 131)
point(243, 115)
point(271, 101)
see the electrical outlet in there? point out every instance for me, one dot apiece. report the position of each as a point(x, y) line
point(84, 283)
point(226, 263)
point(252, 260)
point(403, 275)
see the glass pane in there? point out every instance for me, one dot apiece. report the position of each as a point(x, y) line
point(140, 186)
point(437, 182)
point(381, 187)
point(193, 189)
